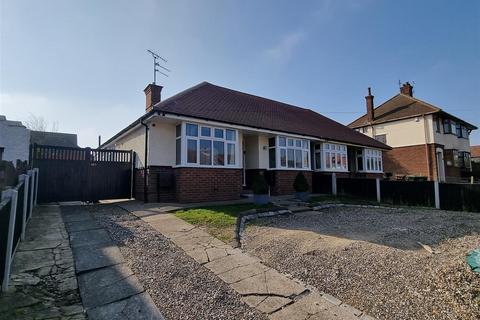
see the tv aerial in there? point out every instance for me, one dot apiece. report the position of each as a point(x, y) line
point(157, 66)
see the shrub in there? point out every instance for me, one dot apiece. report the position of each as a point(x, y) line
point(300, 184)
point(259, 185)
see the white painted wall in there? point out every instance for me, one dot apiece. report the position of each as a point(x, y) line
point(251, 152)
point(161, 144)
point(134, 140)
point(256, 151)
point(15, 139)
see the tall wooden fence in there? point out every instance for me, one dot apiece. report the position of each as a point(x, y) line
point(446, 196)
point(82, 174)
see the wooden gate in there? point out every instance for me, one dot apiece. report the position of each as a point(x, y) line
point(82, 174)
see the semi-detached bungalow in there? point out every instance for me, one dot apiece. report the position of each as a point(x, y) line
point(207, 142)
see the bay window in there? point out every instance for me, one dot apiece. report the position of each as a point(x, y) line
point(331, 157)
point(289, 153)
point(372, 160)
point(203, 145)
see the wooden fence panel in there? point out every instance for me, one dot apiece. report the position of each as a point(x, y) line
point(82, 174)
point(357, 187)
point(5, 207)
point(321, 183)
point(460, 197)
point(416, 193)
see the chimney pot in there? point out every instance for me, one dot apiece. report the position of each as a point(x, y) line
point(153, 94)
point(407, 89)
point(370, 107)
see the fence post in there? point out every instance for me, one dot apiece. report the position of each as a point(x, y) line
point(334, 183)
point(11, 229)
point(377, 182)
point(31, 191)
point(36, 171)
point(26, 180)
point(436, 188)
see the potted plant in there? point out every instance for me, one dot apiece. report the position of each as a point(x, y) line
point(301, 187)
point(260, 190)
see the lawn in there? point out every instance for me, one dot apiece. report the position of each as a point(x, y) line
point(219, 221)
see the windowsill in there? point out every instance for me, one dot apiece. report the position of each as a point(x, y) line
point(331, 170)
point(290, 169)
point(198, 166)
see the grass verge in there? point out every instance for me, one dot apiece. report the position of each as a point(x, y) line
point(219, 221)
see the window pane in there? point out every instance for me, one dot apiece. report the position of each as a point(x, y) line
point(317, 146)
point(290, 142)
point(271, 158)
point(230, 153)
point(291, 158)
point(318, 160)
point(339, 160)
point(332, 156)
point(191, 151)
point(206, 132)
point(344, 161)
point(305, 159)
point(298, 143)
point(218, 153)
point(298, 158)
point(282, 141)
point(283, 158)
point(305, 144)
point(218, 133)
point(178, 151)
point(178, 130)
point(327, 160)
point(206, 152)
point(230, 134)
point(192, 130)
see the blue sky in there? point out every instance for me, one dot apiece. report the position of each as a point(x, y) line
point(85, 65)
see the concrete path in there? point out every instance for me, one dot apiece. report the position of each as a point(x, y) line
point(108, 287)
point(261, 287)
point(43, 282)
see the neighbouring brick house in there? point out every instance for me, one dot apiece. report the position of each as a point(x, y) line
point(207, 142)
point(426, 141)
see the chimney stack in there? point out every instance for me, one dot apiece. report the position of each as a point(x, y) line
point(407, 89)
point(152, 95)
point(369, 99)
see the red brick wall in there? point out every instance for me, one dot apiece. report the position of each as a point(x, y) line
point(411, 160)
point(284, 181)
point(154, 192)
point(207, 184)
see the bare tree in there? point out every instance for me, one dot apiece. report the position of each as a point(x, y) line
point(38, 123)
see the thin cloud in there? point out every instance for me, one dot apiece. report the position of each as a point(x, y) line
point(283, 51)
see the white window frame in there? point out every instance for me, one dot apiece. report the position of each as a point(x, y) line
point(372, 161)
point(336, 149)
point(212, 138)
point(304, 148)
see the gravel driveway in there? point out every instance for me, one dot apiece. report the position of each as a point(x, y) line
point(371, 259)
point(180, 287)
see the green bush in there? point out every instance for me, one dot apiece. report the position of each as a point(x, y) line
point(259, 185)
point(300, 184)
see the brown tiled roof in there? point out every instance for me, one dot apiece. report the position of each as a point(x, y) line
point(475, 151)
point(402, 106)
point(211, 102)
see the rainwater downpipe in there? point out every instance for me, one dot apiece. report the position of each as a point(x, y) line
point(145, 167)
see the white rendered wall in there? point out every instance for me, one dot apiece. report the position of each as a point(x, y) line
point(15, 139)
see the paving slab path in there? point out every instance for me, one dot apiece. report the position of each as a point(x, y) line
point(43, 281)
point(260, 286)
point(108, 287)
